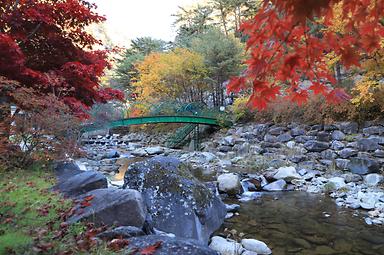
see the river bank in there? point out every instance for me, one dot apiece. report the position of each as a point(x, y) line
point(341, 161)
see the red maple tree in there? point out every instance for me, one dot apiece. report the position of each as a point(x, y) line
point(287, 43)
point(44, 46)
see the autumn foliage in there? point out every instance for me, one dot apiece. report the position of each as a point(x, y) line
point(288, 41)
point(44, 46)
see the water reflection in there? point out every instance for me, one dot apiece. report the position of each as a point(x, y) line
point(303, 223)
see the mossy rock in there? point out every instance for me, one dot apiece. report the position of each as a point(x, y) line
point(177, 201)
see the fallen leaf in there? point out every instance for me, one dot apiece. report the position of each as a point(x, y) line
point(150, 250)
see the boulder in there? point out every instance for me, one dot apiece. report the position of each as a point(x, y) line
point(154, 150)
point(110, 154)
point(225, 247)
point(283, 138)
point(297, 131)
point(374, 130)
point(368, 144)
point(316, 146)
point(168, 245)
point(348, 127)
point(278, 185)
point(256, 246)
point(81, 183)
point(65, 170)
point(112, 207)
point(337, 145)
point(362, 165)
point(373, 179)
point(177, 202)
point(338, 135)
point(338, 182)
point(347, 153)
point(229, 183)
point(287, 173)
point(121, 232)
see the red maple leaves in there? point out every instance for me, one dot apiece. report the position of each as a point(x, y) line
point(287, 45)
point(44, 46)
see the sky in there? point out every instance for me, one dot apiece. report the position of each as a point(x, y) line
point(128, 19)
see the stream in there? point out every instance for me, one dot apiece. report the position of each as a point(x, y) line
point(304, 223)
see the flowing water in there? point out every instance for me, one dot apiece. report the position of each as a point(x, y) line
point(304, 223)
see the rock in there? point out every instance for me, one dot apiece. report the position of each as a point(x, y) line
point(177, 202)
point(342, 163)
point(373, 179)
point(229, 183)
point(232, 207)
point(375, 130)
point(154, 150)
point(81, 183)
point(337, 145)
point(169, 245)
point(275, 186)
point(287, 173)
point(348, 127)
point(368, 144)
point(349, 177)
point(228, 140)
point(249, 253)
point(347, 153)
point(283, 138)
point(324, 250)
point(379, 153)
point(139, 152)
point(256, 246)
point(323, 136)
point(303, 138)
point(338, 182)
point(225, 247)
point(297, 131)
point(277, 130)
point(338, 135)
point(65, 170)
point(270, 138)
point(316, 146)
point(360, 165)
point(110, 154)
point(121, 232)
point(224, 148)
point(112, 207)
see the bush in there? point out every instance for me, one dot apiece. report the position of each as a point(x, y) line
point(315, 111)
point(241, 112)
point(46, 132)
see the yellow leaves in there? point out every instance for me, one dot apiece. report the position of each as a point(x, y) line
point(364, 90)
point(168, 75)
point(331, 59)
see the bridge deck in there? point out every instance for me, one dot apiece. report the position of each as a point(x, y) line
point(155, 119)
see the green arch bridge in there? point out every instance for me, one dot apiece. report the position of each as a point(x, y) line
point(192, 115)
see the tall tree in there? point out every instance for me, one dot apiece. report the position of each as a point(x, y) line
point(45, 47)
point(126, 72)
point(284, 50)
point(222, 56)
point(191, 22)
point(175, 75)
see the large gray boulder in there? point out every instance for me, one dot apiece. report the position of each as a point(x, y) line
point(177, 202)
point(360, 165)
point(112, 207)
point(169, 245)
point(81, 183)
